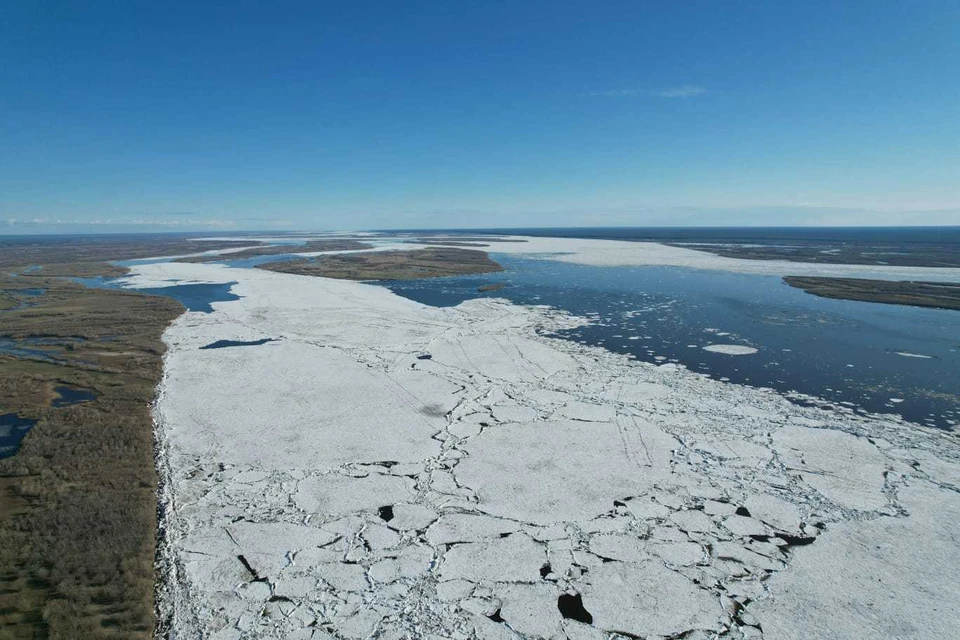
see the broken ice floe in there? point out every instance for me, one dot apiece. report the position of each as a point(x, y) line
point(514, 485)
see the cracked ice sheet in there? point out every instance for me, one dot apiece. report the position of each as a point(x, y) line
point(328, 462)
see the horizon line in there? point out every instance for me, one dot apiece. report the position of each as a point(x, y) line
point(247, 232)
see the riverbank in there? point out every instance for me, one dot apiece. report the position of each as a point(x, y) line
point(453, 471)
point(78, 493)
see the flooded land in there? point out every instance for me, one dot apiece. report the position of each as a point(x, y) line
point(528, 438)
point(78, 371)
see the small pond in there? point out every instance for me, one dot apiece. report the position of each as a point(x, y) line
point(68, 396)
point(221, 344)
point(12, 430)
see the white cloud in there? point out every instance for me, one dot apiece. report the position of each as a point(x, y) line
point(685, 91)
point(682, 91)
point(124, 221)
point(615, 93)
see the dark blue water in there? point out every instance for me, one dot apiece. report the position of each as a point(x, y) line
point(12, 430)
point(68, 396)
point(27, 348)
point(842, 351)
point(22, 297)
point(195, 297)
point(222, 344)
point(248, 263)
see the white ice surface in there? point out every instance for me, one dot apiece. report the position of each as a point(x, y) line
point(331, 485)
point(617, 253)
point(731, 349)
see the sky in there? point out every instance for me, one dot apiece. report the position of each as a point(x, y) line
point(190, 116)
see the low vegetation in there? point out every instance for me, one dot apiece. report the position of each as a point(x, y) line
point(939, 295)
point(78, 500)
point(391, 265)
point(86, 255)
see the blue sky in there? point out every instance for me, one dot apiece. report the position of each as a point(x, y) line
point(238, 115)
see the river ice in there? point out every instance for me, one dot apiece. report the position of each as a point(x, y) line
point(335, 484)
point(731, 349)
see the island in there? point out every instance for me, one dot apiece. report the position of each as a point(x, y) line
point(938, 295)
point(281, 249)
point(391, 265)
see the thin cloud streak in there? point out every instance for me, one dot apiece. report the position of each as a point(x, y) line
point(614, 93)
point(686, 91)
point(120, 221)
point(683, 91)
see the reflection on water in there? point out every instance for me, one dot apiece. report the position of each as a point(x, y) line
point(68, 396)
point(45, 349)
point(12, 430)
point(222, 344)
point(844, 351)
point(194, 296)
point(21, 298)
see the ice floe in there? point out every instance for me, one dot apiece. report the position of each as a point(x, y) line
point(330, 484)
point(907, 354)
point(730, 349)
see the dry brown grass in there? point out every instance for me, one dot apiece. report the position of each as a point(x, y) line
point(60, 251)
point(78, 500)
point(937, 295)
point(391, 265)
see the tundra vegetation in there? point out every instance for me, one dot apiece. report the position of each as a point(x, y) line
point(86, 256)
point(938, 295)
point(78, 499)
point(391, 265)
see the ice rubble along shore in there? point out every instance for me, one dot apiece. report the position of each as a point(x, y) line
point(332, 484)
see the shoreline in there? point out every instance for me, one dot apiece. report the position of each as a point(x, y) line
point(79, 519)
point(695, 439)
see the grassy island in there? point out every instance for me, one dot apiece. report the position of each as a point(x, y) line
point(391, 265)
point(938, 295)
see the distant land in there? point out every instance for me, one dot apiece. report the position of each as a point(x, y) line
point(889, 246)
